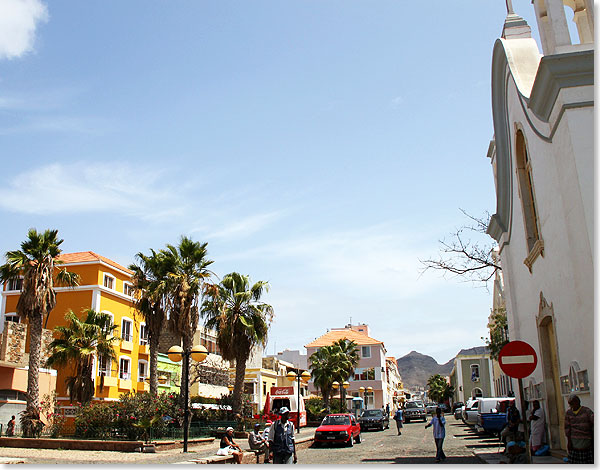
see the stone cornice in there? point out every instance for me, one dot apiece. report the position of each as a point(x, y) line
point(559, 71)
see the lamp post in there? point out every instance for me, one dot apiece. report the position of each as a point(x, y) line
point(198, 354)
point(305, 377)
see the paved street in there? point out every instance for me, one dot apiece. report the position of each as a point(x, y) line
point(414, 446)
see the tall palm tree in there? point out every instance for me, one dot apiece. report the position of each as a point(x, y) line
point(242, 321)
point(151, 290)
point(346, 359)
point(77, 345)
point(36, 262)
point(323, 369)
point(187, 272)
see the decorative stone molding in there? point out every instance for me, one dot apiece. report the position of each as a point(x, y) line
point(545, 311)
point(556, 72)
point(536, 250)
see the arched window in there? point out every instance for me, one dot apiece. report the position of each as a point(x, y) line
point(526, 193)
point(477, 392)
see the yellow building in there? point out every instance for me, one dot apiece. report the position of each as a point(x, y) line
point(105, 286)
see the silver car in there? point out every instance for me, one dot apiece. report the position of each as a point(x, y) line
point(414, 410)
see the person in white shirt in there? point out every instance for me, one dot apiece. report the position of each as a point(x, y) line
point(439, 433)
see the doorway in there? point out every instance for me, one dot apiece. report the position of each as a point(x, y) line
point(551, 369)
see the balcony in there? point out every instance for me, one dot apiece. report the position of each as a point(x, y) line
point(143, 386)
point(109, 381)
point(124, 381)
point(144, 349)
point(127, 344)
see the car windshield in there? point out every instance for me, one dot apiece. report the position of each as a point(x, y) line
point(333, 420)
point(413, 405)
point(372, 413)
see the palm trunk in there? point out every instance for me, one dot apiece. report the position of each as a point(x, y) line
point(33, 375)
point(240, 373)
point(154, 340)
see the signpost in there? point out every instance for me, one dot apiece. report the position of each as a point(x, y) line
point(518, 360)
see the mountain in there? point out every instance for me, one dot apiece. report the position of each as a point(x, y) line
point(416, 368)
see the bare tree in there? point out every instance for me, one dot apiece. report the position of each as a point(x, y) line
point(472, 260)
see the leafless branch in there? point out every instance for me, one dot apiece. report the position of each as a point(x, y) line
point(473, 261)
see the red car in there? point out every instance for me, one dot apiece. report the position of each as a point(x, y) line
point(341, 428)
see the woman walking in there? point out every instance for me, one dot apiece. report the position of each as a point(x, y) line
point(439, 433)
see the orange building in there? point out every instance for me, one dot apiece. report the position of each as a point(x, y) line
point(105, 286)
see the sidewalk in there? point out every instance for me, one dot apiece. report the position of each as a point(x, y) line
point(495, 458)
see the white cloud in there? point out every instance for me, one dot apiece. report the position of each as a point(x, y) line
point(83, 187)
point(18, 22)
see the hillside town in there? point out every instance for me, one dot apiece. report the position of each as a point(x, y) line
point(164, 361)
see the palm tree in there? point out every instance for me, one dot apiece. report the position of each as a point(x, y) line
point(233, 308)
point(77, 345)
point(323, 369)
point(346, 359)
point(151, 290)
point(186, 272)
point(36, 262)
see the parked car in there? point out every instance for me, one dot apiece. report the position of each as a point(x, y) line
point(456, 404)
point(430, 407)
point(492, 415)
point(341, 428)
point(414, 410)
point(374, 419)
point(445, 408)
point(458, 412)
point(469, 414)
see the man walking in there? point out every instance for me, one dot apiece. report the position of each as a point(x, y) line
point(399, 418)
point(439, 433)
point(282, 445)
point(579, 429)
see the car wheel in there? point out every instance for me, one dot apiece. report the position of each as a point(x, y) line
point(351, 441)
point(425, 419)
point(358, 439)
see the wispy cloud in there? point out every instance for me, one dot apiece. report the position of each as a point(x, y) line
point(70, 124)
point(246, 226)
point(82, 187)
point(18, 22)
point(397, 102)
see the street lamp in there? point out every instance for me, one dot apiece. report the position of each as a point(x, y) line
point(305, 377)
point(198, 354)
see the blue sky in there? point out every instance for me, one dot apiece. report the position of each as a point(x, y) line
point(324, 146)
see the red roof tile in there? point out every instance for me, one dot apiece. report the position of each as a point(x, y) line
point(90, 256)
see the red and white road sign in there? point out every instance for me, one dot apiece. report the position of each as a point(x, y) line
point(517, 359)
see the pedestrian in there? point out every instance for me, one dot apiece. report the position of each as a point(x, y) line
point(265, 433)
point(513, 417)
point(257, 442)
point(229, 447)
point(282, 446)
point(579, 429)
point(439, 433)
point(399, 418)
point(537, 422)
point(10, 427)
point(387, 409)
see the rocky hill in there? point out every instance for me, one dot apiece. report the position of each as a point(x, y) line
point(416, 368)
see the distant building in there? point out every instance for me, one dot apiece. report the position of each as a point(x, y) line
point(293, 357)
point(395, 386)
point(543, 161)
point(471, 375)
point(371, 371)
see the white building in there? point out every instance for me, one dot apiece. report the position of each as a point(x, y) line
point(543, 162)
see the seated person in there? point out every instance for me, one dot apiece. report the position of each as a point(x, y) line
point(229, 447)
point(257, 442)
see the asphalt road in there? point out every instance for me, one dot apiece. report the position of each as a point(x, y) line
point(414, 446)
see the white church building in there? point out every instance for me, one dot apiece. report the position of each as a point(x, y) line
point(542, 156)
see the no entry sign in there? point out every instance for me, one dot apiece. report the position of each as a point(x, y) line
point(517, 359)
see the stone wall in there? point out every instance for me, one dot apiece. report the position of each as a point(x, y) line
point(12, 343)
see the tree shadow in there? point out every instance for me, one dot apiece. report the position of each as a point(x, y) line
point(456, 460)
